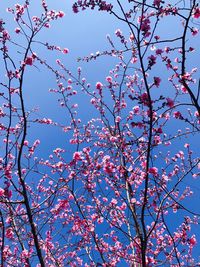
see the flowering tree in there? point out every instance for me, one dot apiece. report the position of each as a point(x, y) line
point(118, 193)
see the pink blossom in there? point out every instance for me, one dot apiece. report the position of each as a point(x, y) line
point(184, 89)
point(145, 27)
point(177, 115)
point(65, 51)
point(75, 8)
point(145, 99)
point(36, 143)
point(136, 109)
point(167, 49)
point(105, 177)
point(99, 86)
point(1, 192)
point(159, 51)
point(159, 130)
point(192, 241)
point(118, 33)
point(133, 200)
point(191, 49)
point(157, 37)
point(17, 30)
point(152, 60)
point(35, 19)
point(109, 167)
point(61, 14)
point(26, 143)
point(47, 25)
point(113, 201)
point(157, 81)
point(77, 156)
point(194, 31)
point(8, 172)
point(105, 199)
point(170, 102)
point(123, 206)
point(131, 37)
point(196, 13)
point(109, 79)
point(93, 101)
point(6, 35)
point(153, 171)
point(100, 220)
point(29, 61)
point(71, 197)
point(117, 119)
point(25, 253)
point(186, 145)
point(134, 60)
point(187, 76)
point(157, 2)
point(9, 233)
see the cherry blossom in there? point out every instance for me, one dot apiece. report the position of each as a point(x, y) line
point(110, 180)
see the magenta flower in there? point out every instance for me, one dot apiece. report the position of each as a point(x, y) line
point(157, 81)
point(196, 13)
point(99, 86)
point(17, 30)
point(29, 61)
point(170, 102)
point(153, 171)
point(77, 156)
